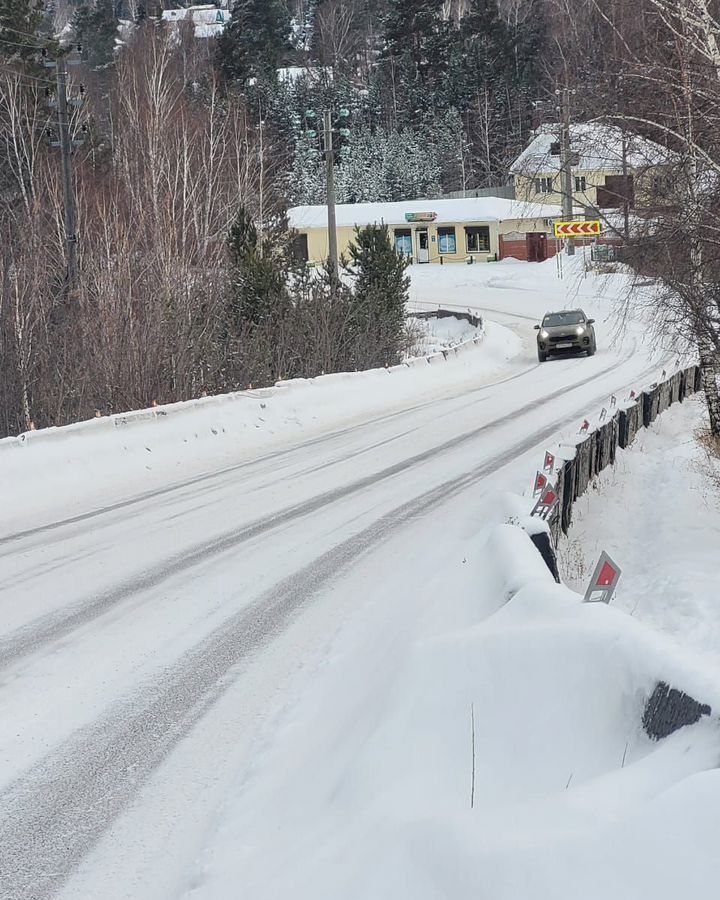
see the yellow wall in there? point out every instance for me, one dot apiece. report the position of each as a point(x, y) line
point(318, 241)
point(642, 182)
point(525, 188)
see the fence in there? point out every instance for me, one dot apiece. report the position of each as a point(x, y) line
point(598, 449)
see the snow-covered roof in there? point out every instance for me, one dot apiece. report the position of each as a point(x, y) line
point(314, 73)
point(599, 146)
point(208, 19)
point(466, 209)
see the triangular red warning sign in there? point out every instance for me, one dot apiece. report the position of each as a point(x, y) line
point(549, 496)
point(607, 575)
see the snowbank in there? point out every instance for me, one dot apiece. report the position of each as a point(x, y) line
point(110, 458)
point(435, 335)
point(657, 511)
point(377, 789)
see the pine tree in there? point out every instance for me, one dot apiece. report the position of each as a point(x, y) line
point(307, 179)
point(19, 21)
point(96, 30)
point(379, 297)
point(257, 283)
point(414, 62)
point(252, 44)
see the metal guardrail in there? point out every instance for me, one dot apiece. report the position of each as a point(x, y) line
point(598, 450)
point(441, 313)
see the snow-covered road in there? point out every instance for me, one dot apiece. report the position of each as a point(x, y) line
point(149, 645)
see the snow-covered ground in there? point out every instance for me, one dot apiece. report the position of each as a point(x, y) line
point(239, 650)
point(374, 787)
point(658, 513)
point(433, 335)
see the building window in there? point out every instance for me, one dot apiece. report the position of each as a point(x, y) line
point(477, 239)
point(446, 240)
point(580, 185)
point(543, 186)
point(403, 241)
point(661, 185)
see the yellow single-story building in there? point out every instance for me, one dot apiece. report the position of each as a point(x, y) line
point(433, 231)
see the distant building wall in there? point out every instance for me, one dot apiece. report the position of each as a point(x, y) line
point(447, 242)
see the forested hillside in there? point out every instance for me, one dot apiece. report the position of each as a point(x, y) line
point(182, 128)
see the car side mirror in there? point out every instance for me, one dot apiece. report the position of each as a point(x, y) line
point(591, 321)
point(536, 327)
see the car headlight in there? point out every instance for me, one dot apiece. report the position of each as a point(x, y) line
point(544, 334)
point(580, 329)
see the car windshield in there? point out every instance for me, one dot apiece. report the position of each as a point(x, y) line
point(572, 317)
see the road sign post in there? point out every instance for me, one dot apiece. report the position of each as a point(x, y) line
point(545, 502)
point(578, 229)
point(540, 483)
point(604, 580)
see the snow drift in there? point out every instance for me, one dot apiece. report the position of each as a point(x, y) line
point(110, 457)
point(366, 792)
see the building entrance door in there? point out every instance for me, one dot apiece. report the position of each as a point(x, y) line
point(536, 247)
point(423, 251)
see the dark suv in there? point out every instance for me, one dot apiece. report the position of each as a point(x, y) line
point(565, 332)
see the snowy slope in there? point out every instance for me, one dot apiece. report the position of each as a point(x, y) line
point(366, 792)
point(666, 493)
point(168, 638)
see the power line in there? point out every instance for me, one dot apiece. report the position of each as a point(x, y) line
point(12, 71)
point(18, 44)
point(15, 31)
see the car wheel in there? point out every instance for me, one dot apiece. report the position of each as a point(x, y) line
point(541, 356)
point(591, 349)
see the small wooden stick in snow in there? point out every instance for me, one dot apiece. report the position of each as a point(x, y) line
point(472, 730)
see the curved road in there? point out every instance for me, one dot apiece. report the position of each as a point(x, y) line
point(144, 648)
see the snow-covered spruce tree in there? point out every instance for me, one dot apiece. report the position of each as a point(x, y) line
point(19, 20)
point(307, 180)
point(380, 293)
point(252, 44)
point(452, 152)
point(257, 283)
point(361, 177)
point(96, 29)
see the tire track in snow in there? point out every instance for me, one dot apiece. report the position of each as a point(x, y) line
point(150, 497)
point(39, 634)
point(51, 817)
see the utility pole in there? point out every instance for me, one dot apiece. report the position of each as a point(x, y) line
point(330, 186)
point(626, 189)
point(67, 178)
point(329, 130)
point(621, 108)
point(66, 145)
point(261, 191)
point(566, 164)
